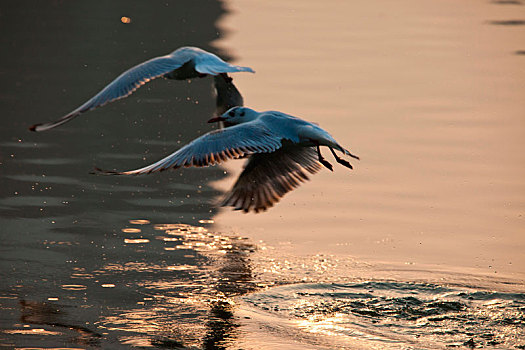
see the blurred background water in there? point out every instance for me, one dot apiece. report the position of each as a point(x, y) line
point(421, 246)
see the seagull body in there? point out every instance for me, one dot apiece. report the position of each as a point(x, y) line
point(282, 150)
point(183, 63)
point(227, 94)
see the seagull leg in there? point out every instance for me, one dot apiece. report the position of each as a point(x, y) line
point(339, 160)
point(353, 155)
point(324, 161)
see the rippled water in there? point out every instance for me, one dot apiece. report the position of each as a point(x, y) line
point(420, 247)
point(185, 286)
point(174, 287)
point(395, 315)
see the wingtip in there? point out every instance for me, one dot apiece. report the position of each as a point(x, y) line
point(245, 69)
point(99, 171)
point(34, 127)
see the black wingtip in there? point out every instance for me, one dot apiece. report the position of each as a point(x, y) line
point(98, 171)
point(33, 127)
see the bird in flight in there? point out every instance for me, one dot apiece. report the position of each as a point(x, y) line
point(227, 94)
point(183, 63)
point(281, 151)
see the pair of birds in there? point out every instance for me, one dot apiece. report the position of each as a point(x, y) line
point(282, 149)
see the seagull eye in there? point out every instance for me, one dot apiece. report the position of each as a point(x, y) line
point(232, 114)
point(242, 114)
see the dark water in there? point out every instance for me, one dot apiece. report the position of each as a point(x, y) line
point(107, 262)
point(62, 228)
point(172, 290)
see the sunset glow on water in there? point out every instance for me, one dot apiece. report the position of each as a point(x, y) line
point(419, 246)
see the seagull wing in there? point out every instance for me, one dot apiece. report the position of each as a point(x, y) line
point(215, 147)
point(208, 63)
point(123, 86)
point(269, 176)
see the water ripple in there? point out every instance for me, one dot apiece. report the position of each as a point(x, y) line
point(395, 314)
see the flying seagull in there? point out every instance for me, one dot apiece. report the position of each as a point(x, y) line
point(227, 94)
point(183, 63)
point(281, 150)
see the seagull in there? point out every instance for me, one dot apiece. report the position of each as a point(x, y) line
point(281, 151)
point(184, 63)
point(227, 94)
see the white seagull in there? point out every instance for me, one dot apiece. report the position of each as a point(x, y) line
point(281, 148)
point(183, 63)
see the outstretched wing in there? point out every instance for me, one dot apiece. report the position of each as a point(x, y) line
point(121, 87)
point(215, 147)
point(269, 176)
point(208, 63)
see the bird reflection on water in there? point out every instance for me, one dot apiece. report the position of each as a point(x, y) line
point(50, 314)
point(189, 304)
point(173, 290)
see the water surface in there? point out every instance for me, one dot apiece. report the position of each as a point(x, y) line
point(420, 247)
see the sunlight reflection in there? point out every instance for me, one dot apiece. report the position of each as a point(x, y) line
point(36, 331)
point(192, 286)
point(73, 287)
point(328, 326)
point(376, 313)
point(136, 241)
point(131, 230)
point(139, 222)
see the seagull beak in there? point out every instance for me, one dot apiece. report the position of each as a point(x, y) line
point(216, 120)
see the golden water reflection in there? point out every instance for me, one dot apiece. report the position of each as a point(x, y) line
point(212, 292)
point(189, 297)
point(139, 222)
point(186, 297)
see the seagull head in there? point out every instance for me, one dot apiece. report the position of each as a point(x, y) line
point(236, 115)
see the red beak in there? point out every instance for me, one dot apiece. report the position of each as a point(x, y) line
point(216, 120)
